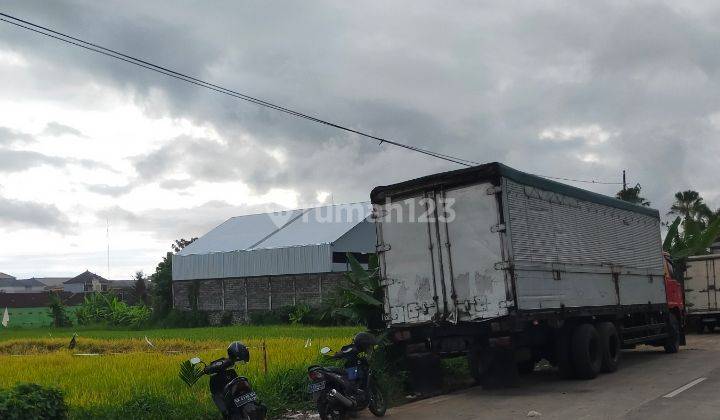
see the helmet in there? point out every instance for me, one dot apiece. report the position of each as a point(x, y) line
point(237, 352)
point(364, 341)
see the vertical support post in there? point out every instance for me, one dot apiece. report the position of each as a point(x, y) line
point(247, 315)
point(222, 285)
point(294, 292)
point(269, 288)
point(320, 279)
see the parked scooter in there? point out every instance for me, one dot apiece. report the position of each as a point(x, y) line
point(232, 394)
point(339, 391)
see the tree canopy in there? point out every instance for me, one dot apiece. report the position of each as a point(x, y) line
point(632, 195)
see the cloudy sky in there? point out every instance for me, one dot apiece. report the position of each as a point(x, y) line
point(556, 88)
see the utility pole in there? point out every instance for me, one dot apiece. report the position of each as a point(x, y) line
point(624, 181)
point(107, 237)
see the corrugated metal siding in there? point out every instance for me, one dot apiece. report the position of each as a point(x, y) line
point(258, 262)
point(548, 227)
point(571, 252)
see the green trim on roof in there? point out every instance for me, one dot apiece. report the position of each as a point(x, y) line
point(492, 172)
point(570, 191)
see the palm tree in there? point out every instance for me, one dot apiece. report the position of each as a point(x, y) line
point(691, 207)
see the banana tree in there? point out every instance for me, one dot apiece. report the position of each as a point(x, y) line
point(694, 239)
point(362, 296)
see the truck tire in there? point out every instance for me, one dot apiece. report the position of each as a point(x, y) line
point(672, 342)
point(562, 357)
point(609, 346)
point(586, 351)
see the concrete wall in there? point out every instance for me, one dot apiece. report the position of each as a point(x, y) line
point(245, 295)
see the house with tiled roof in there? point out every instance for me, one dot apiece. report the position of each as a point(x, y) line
point(9, 284)
point(86, 282)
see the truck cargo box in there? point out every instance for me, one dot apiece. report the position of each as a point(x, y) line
point(702, 280)
point(478, 243)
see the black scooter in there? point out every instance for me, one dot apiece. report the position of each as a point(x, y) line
point(232, 394)
point(339, 391)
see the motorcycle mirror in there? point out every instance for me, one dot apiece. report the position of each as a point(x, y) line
point(325, 350)
point(195, 360)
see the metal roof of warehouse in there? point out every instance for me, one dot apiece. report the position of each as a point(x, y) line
point(301, 227)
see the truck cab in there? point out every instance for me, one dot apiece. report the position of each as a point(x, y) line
point(673, 289)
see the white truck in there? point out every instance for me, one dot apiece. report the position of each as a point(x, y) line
point(702, 281)
point(509, 268)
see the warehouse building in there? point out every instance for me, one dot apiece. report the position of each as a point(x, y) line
point(268, 261)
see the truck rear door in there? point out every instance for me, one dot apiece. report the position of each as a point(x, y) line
point(701, 283)
point(407, 259)
point(441, 255)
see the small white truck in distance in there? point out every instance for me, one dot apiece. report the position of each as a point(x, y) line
point(509, 268)
point(702, 281)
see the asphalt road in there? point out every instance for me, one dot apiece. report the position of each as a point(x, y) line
point(649, 385)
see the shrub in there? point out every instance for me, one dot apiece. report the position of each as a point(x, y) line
point(31, 401)
point(57, 312)
point(299, 313)
point(184, 319)
point(226, 318)
point(274, 317)
point(108, 309)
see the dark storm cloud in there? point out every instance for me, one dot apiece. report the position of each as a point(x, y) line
point(208, 160)
point(17, 213)
point(57, 129)
point(477, 80)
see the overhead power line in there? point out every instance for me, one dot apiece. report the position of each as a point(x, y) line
point(588, 181)
point(42, 30)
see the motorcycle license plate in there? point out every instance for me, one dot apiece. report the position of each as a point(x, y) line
point(316, 387)
point(244, 399)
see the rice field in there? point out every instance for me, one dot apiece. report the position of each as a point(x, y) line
point(127, 366)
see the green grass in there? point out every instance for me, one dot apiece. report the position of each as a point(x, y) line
point(230, 333)
point(32, 317)
point(129, 374)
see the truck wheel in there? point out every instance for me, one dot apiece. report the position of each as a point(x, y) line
point(610, 346)
point(562, 355)
point(586, 351)
point(672, 342)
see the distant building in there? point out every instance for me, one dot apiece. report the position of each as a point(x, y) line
point(89, 282)
point(268, 261)
point(86, 282)
point(9, 284)
point(53, 283)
